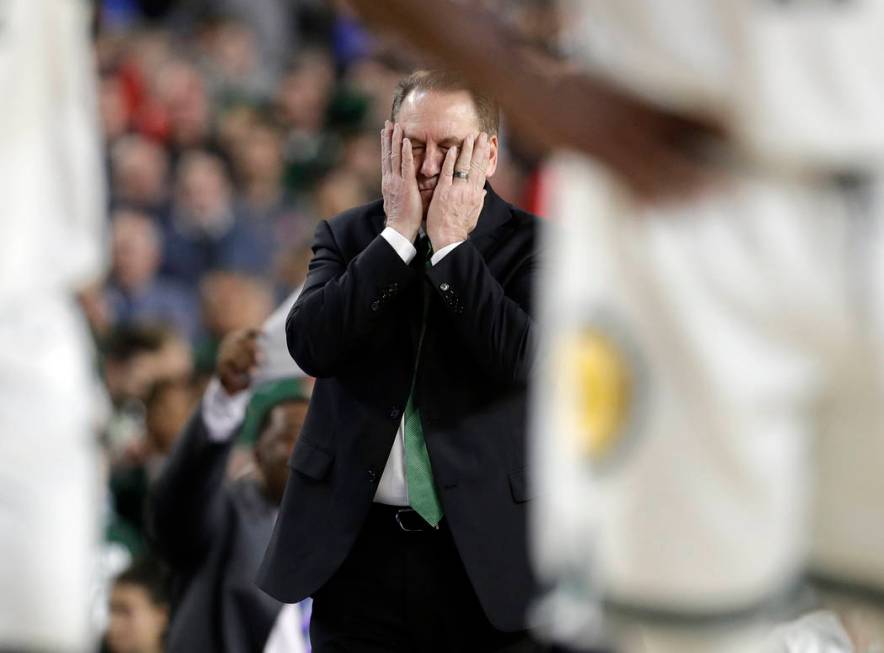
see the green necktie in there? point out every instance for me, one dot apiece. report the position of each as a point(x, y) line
point(421, 490)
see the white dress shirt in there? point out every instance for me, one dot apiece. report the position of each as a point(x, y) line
point(393, 488)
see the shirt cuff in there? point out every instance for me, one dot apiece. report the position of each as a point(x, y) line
point(442, 253)
point(404, 247)
point(222, 414)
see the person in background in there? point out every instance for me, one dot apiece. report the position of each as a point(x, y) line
point(213, 532)
point(229, 302)
point(205, 231)
point(136, 293)
point(139, 610)
point(140, 174)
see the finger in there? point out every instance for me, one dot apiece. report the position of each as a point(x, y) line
point(479, 161)
point(446, 176)
point(396, 150)
point(386, 132)
point(466, 155)
point(407, 160)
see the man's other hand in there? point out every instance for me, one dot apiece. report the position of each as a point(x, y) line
point(402, 200)
point(458, 200)
point(238, 358)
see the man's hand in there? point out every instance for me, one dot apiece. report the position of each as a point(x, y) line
point(238, 358)
point(658, 154)
point(402, 200)
point(457, 200)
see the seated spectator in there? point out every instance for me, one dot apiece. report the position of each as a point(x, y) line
point(135, 293)
point(166, 409)
point(271, 210)
point(140, 174)
point(213, 532)
point(204, 231)
point(133, 360)
point(230, 302)
point(231, 62)
point(302, 100)
point(139, 610)
point(137, 356)
point(184, 101)
point(339, 190)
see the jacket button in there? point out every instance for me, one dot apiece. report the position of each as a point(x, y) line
point(444, 286)
point(395, 413)
point(375, 305)
point(372, 475)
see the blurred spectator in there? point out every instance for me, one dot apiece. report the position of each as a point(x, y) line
point(273, 214)
point(140, 174)
point(272, 21)
point(168, 406)
point(135, 294)
point(258, 161)
point(136, 357)
point(339, 190)
point(231, 62)
point(361, 154)
point(302, 99)
point(204, 231)
point(139, 610)
point(375, 79)
point(290, 269)
point(166, 409)
point(213, 533)
point(181, 91)
point(112, 108)
point(230, 302)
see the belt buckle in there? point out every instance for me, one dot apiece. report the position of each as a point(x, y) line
point(405, 511)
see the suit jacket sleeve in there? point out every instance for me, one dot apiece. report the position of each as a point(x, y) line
point(494, 320)
point(343, 302)
point(186, 507)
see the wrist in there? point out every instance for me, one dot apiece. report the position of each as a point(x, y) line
point(446, 238)
point(405, 231)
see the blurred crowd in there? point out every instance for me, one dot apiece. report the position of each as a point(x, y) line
point(231, 128)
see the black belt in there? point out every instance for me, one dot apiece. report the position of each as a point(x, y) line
point(400, 518)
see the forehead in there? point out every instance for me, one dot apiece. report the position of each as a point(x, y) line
point(437, 115)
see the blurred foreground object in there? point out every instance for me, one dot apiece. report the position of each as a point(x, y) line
point(709, 419)
point(51, 244)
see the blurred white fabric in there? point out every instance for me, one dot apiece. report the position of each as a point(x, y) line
point(51, 244)
point(709, 419)
point(277, 362)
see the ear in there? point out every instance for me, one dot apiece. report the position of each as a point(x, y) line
point(494, 148)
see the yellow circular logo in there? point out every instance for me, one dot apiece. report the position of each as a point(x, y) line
point(597, 387)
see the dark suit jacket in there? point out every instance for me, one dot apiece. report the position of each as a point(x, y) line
point(355, 327)
point(213, 534)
